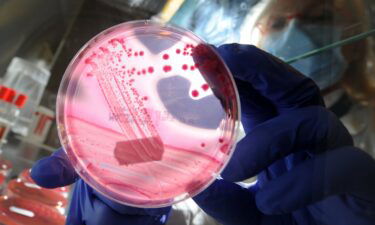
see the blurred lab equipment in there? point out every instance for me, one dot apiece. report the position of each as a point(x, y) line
point(41, 123)
point(5, 166)
point(28, 190)
point(4, 129)
point(20, 211)
point(30, 80)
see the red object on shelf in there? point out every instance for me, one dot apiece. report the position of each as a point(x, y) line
point(4, 91)
point(2, 179)
point(10, 96)
point(21, 100)
point(25, 176)
point(2, 132)
point(32, 191)
point(4, 219)
point(2, 185)
point(25, 211)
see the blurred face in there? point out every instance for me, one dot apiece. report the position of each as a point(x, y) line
point(279, 13)
point(349, 14)
point(290, 28)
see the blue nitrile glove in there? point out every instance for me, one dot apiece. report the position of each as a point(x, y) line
point(87, 206)
point(308, 170)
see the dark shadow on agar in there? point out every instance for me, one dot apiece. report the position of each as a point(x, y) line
point(204, 113)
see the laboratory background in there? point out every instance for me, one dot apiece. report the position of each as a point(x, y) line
point(331, 41)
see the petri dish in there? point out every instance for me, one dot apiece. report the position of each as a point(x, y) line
point(148, 114)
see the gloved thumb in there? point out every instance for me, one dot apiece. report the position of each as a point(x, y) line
point(54, 171)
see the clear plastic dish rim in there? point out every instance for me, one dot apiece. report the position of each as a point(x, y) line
point(65, 81)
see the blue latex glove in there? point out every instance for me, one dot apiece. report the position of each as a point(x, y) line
point(87, 206)
point(308, 170)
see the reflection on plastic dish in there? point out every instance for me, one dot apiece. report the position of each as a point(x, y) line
point(148, 114)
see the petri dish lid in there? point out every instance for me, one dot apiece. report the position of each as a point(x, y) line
point(148, 114)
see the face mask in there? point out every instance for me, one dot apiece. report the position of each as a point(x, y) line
point(325, 68)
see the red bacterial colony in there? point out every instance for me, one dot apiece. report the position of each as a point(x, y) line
point(195, 93)
point(167, 68)
point(205, 87)
point(165, 56)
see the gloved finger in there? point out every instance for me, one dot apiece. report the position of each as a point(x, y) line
point(87, 207)
point(311, 128)
point(54, 171)
point(284, 86)
point(230, 203)
point(255, 108)
point(345, 170)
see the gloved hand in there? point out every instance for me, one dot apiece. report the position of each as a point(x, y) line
point(87, 206)
point(308, 171)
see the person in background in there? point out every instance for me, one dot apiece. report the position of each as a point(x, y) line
point(344, 74)
point(224, 23)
